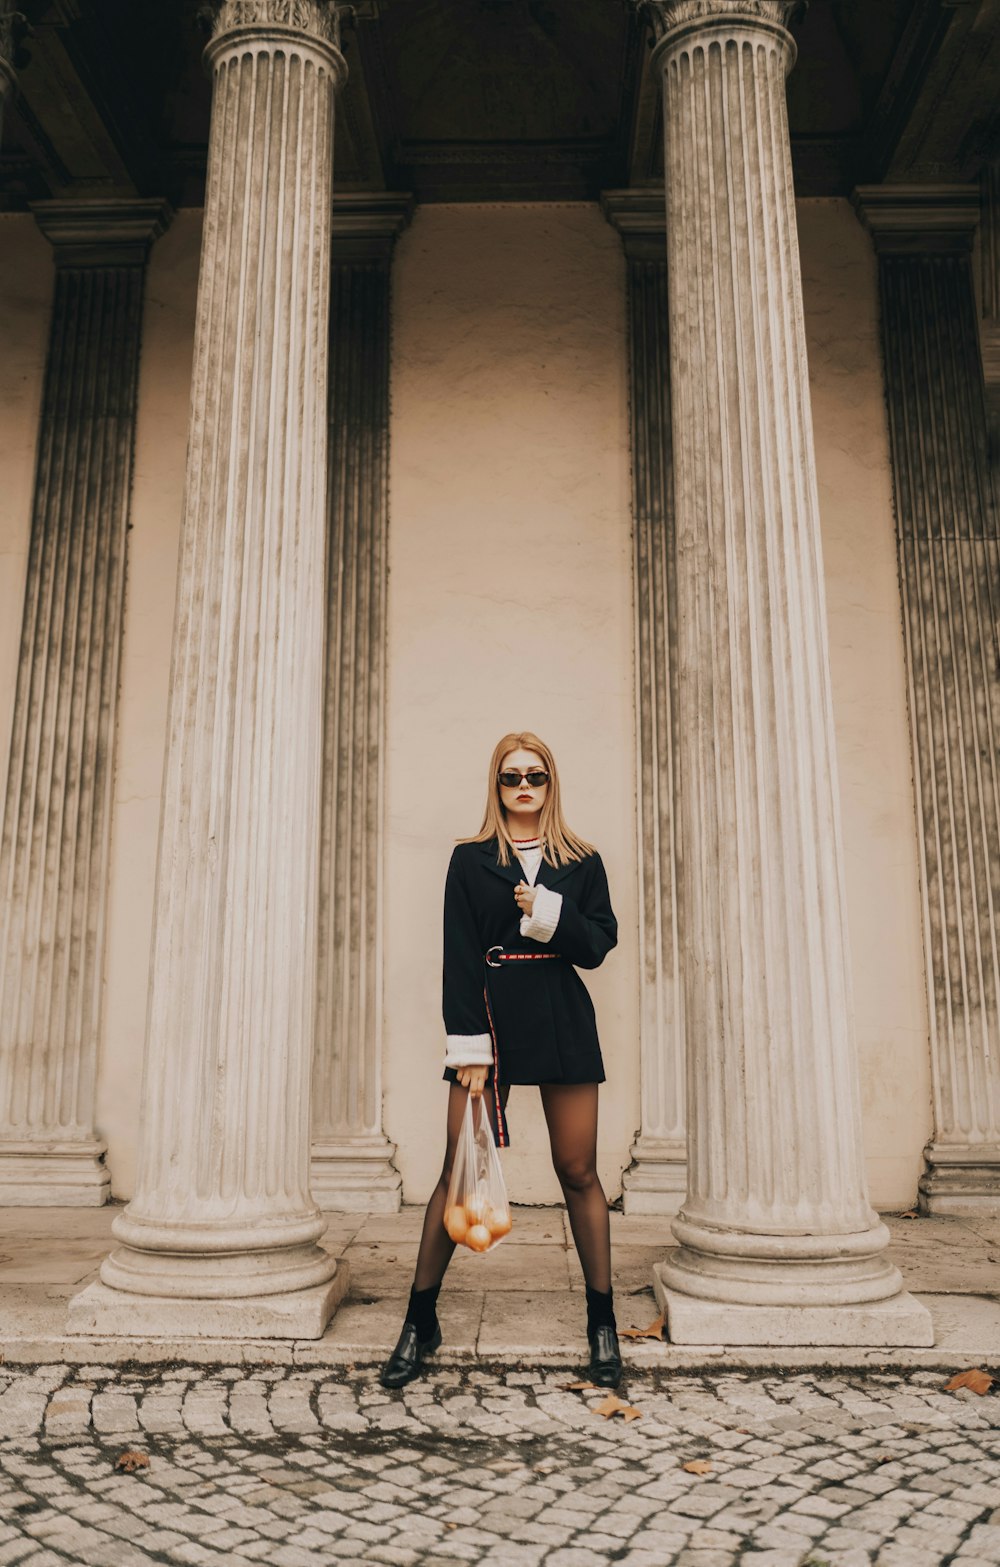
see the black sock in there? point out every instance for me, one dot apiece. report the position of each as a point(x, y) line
point(421, 1312)
point(600, 1310)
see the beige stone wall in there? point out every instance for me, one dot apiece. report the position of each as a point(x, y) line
point(510, 606)
point(840, 289)
point(510, 603)
point(26, 279)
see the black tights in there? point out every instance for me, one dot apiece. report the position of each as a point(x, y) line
point(571, 1116)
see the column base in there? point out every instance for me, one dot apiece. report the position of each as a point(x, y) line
point(656, 1180)
point(99, 1311)
point(961, 1180)
point(900, 1322)
point(355, 1176)
point(54, 1174)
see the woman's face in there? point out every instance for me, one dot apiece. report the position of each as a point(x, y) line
point(522, 798)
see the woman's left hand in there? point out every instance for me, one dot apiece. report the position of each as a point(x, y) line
point(524, 897)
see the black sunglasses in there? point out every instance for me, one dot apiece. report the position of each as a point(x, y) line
point(510, 777)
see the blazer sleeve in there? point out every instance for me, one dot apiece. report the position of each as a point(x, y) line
point(470, 1042)
point(587, 929)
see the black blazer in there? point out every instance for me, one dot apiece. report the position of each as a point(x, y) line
point(540, 1014)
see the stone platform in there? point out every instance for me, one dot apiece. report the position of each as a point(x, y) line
point(523, 1304)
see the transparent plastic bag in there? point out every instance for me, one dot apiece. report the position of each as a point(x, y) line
point(476, 1212)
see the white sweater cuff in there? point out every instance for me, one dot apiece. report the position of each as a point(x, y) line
point(469, 1050)
point(540, 924)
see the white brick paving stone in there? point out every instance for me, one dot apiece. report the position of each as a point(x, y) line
point(114, 1412)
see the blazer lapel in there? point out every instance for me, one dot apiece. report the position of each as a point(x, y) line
point(511, 873)
point(552, 875)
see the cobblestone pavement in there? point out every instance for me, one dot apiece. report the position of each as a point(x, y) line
point(270, 1464)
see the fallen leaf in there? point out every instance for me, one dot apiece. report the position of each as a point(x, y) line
point(131, 1461)
point(655, 1330)
point(977, 1381)
point(613, 1405)
point(576, 1387)
point(911, 1213)
point(698, 1466)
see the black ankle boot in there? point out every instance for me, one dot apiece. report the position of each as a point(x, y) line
point(602, 1331)
point(421, 1336)
point(421, 1310)
point(405, 1361)
point(605, 1357)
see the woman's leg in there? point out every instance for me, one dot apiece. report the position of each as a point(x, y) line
point(436, 1246)
point(571, 1115)
point(421, 1335)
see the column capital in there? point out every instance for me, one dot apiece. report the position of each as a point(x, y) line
point(366, 224)
point(103, 233)
point(666, 17)
point(909, 219)
point(641, 219)
point(316, 19)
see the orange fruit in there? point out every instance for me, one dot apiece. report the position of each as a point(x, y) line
point(456, 1223)
point(499, 1222)
point(478, 1237)
point(475, 1209)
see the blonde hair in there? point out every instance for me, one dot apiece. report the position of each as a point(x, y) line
point(559, 844)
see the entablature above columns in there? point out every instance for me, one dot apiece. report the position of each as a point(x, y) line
point(467, 102)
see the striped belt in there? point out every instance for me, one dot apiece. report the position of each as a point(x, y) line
point(496, 957)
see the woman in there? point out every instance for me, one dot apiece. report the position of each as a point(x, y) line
point(525, 889)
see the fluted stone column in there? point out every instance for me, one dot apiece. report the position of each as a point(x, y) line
point(352, 1166)
point(948, 536)
point(778, 1243)
point(657, 1176)
point(223, 1234)
point(57, 813)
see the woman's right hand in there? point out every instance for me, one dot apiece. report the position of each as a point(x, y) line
point(473, 1078)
